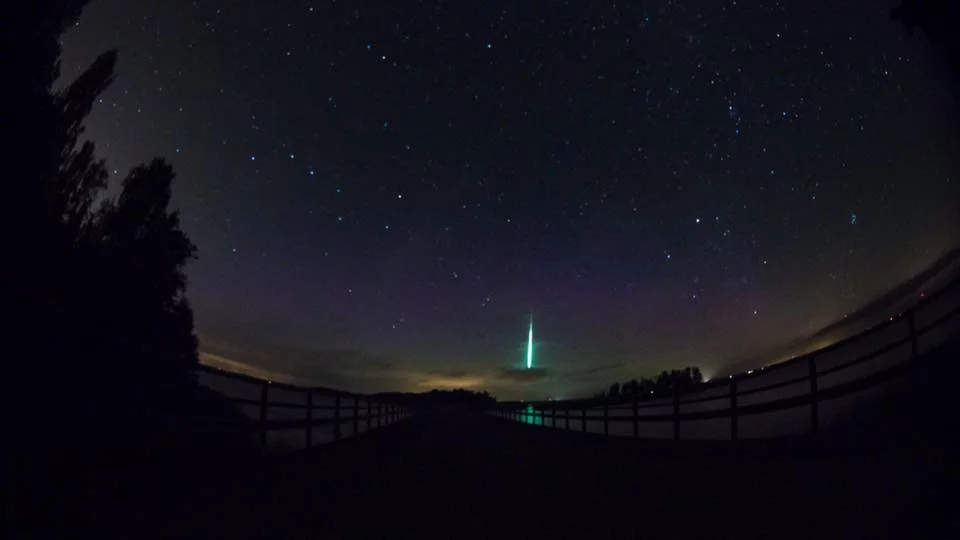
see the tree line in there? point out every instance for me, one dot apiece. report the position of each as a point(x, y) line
point(664, 384)
point(460, 397)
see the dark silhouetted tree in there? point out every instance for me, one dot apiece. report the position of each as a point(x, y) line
point(102, 326)
point(143, 252)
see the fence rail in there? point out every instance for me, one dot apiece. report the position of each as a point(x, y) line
point(348, 415)
point(910, 339)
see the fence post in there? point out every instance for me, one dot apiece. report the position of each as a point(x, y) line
point(913, 333)
point(566, 418)
point(636, 432)
point(583, 419)
point(368, 414)
point(606, 418)
point(356, 414)
point(553, 415)
point(336, 418)
point(264, 389)
point(309, 433)
point(379, 413)
point(733, 409)
point(814, 400)
point(676, 413)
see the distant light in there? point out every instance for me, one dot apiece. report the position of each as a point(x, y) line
point(749, 372)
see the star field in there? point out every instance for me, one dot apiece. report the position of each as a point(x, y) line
point(382, 192)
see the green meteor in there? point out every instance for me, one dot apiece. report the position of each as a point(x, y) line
point(530, 345)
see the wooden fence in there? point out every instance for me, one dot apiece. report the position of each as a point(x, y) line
point(345, 413)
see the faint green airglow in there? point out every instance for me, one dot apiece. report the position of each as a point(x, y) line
point(530, 345)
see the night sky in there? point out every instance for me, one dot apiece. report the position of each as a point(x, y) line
point(384, 192)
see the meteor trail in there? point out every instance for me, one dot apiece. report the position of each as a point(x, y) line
point(530, 345)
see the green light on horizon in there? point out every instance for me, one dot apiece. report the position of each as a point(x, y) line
point(530, 345)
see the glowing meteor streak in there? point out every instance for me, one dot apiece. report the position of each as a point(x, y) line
point(530, 345)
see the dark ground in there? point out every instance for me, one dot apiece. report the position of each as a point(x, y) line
point(469, 476)
point(456, 474)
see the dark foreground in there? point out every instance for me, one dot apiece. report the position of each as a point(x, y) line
point(459, 474)
point(455, 475)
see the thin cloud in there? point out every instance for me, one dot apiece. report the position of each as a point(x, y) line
point(522, 375)
point(345, 369)
point(591, 371)
point(235, 366)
